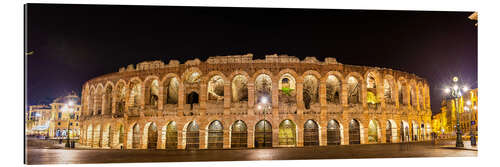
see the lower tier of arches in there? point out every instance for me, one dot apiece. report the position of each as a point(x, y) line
point(251, 132)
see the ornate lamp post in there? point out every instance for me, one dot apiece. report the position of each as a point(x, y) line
point(455, 93)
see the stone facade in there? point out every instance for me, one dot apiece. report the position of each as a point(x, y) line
point(237, 101)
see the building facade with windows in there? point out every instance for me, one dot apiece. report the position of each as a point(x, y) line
point(240, 102)
point(57, 120)
point(444, 123)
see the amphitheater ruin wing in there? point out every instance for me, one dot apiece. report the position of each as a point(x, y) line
point(236, 101)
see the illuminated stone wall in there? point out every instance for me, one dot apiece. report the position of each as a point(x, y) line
point(238, 87)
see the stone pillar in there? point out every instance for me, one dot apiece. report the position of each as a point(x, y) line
point(345, 125)
point(180, 100)
point(364, 132)
point(275, 95)
point(323, 128)
point(161, 97)
point(251, 98)
point(275, 134)
point(382, 127)
point(203, 99)
point(203, 138)
point(299, 136)
point(322, 98)
point(180, 137)
point(227, 98)
point(300, 101)
point(250, 137)
point(113, 104)
point(226, 139)
point(344, 94)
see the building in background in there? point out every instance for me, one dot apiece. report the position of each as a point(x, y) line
point(443, 123)
point(57, 120)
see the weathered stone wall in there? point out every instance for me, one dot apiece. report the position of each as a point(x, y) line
point(253, 109)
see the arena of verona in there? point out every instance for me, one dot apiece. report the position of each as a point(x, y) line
point(236, 101)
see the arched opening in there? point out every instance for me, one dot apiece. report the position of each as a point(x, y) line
point(58, 133)
point(192, 99)
point(404, 131)
point(415, 131)
point(121, 135)
point(239, 88)
point(333, 133)
point(311, 133)
point(287, 133)
point(388, 92)
point(152, 93)
point(263, 134)
point(136, 136)
point(193, 136)
point(152, 136)
point(420, 98)
point(354, 132)
point(171, 136)
point(373, 135)
point(412, 97)
point(239, 135)
point(333, 90)
point(109, 136)
point(121, 93)
point(171, 90)
point(99, 96)
point(263, 85)
point(215, 89)
point(310, 92)
point(90, 102)
point(353, 91)
point(97, 136)
point(108, 99)
point(287, 88)
point(89, 135)
point(215, 135)
point(135, 94)
point(388, 132)
point(401, 93)
point(371, 91)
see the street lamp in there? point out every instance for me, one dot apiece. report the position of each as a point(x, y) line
point(455, 93)
point(68, 108)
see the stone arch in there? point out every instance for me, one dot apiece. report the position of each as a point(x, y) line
point(413, 96)
point(402, 91)
point(151, 91)
point(311, 133)
point(263, 89)
point(171, 136)
point(334, 132)
point(188, 75)
point(420, 95)
point(191, 136)
point(238, 135)
point(287, 135)
point(99, 96)
point(107, 136)
point(354, 87)
point(354, 132)
point(372, 80)
point(97, 136)
point(310, 92)
point(215, 85)
point(135, 93)
point(391, 131)
point(389, 96)
point(91, 100)
point(414, 130)
point(263, 136)
point(108, 98)
point(215, 137)
point(90, 135)
point(333, 84)
point(150, 136)
point(134, 136)
point(404, 131)
point(121, 95)
point(170, 84)
point(239, 88)
point(120, 135)
point(287, 86)
point(374, 134)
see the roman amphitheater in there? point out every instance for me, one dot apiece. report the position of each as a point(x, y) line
point(229, 102)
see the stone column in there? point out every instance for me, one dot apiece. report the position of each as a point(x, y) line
point(274, 95)
point(203, 138)
point(345, 125)
point(300, 135)
point(203, 99)
point(251, 98)
point(300, 101)
point(227, 98)
point(226, 139)
point(344, 94)
point(322, 98)
point(323, 140)
point(250, 137)
point(161, 97)
point(383, 137)
point(180, 100)
point(275, 134)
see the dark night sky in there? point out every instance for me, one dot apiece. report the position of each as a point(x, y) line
point(73, 43)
